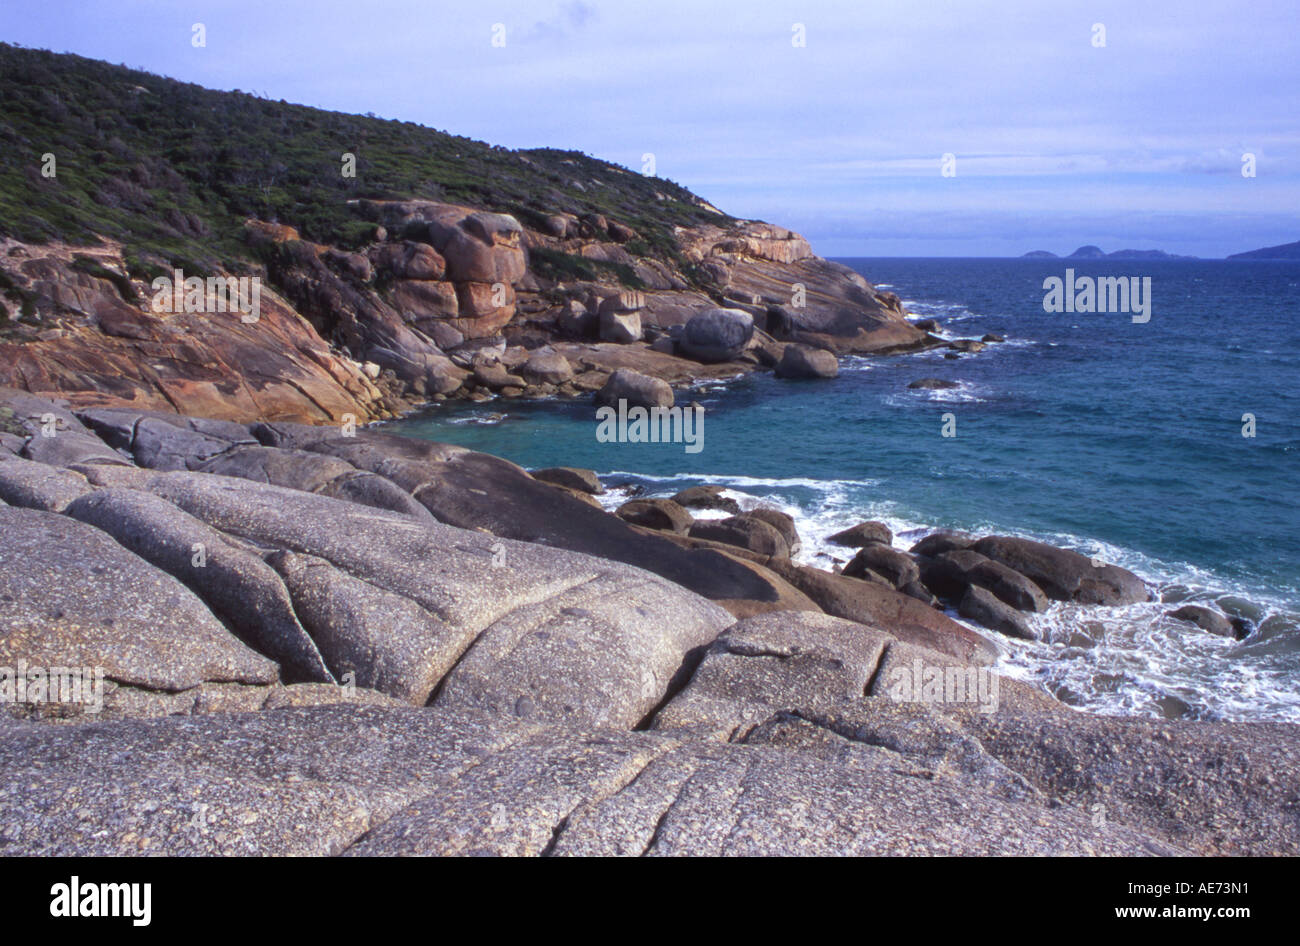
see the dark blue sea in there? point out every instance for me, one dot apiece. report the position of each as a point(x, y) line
point(1122, 440)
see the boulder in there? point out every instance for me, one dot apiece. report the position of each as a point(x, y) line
point(947, 574)
point(576, 321)
point(161, 445)
point(637, 389)
point(543, 625)
point(488, 494)
point(584, 481)
point(804, 362)
point(783, 660)
point(864, 533)
point(546, 367)
point(68, 447)
point(706, 497)
point(886, 609)
point(936, 543)
point(716, 335)
point(368, 637)
point(894, 566)
point(494, 376)
point(982, 607)
point(744, 531)
point(1207, 619)
point(621, 328)
point(782, 522)
point(932, 384)
point(1065, 575)
point(1008, 586)
point(663, 515)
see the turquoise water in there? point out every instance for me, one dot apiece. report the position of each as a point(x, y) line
point(1088, 430)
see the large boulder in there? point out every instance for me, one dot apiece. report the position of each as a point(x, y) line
point(546, 367)
point(660, 514)
point(895, 566)
point(716, 335)
point(947, 573)
point(706, 497)
point(889, 610)
point(621, 328)
point(369, 637)
point(864, 533)
point(583, 481)
point(524, 624)
point(637, 389)
point(1008, 586)
point(1063, 574)
point(744, 531)
point(803, 361)
point(983, 607)
point(946, 540)
point(781, 521)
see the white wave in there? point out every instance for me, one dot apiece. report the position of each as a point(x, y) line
point(1131, 660)
point(482, 419)
point(964, 393)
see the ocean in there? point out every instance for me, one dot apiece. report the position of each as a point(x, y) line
point(1117, 438)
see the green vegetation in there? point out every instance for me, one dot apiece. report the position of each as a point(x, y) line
point(559, 266)
point(9, 424)
point(173, 170)
point(94, 267)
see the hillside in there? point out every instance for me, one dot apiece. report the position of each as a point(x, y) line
point(433, 272)
point(172, 168)
point(1285, 251)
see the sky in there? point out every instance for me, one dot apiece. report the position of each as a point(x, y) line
point(1057, 139)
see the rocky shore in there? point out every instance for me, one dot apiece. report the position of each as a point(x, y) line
point(234, 620)
point(320, 641)
point(444, 301)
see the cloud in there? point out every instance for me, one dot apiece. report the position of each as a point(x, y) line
point(570, 18)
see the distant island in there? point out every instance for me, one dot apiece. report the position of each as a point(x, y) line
point(1285, 251)
point(1096, 252)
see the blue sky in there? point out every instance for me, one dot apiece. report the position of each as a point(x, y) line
point(1058, 142)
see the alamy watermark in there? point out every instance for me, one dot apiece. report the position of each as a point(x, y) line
point(1099, 294)
point(638, 424)
point(930, 683)
point(27, 683)
point(181, 293)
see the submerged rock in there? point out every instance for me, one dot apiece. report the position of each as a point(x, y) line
point(1207, 619)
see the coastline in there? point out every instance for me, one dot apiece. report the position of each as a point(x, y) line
point(377, 555)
